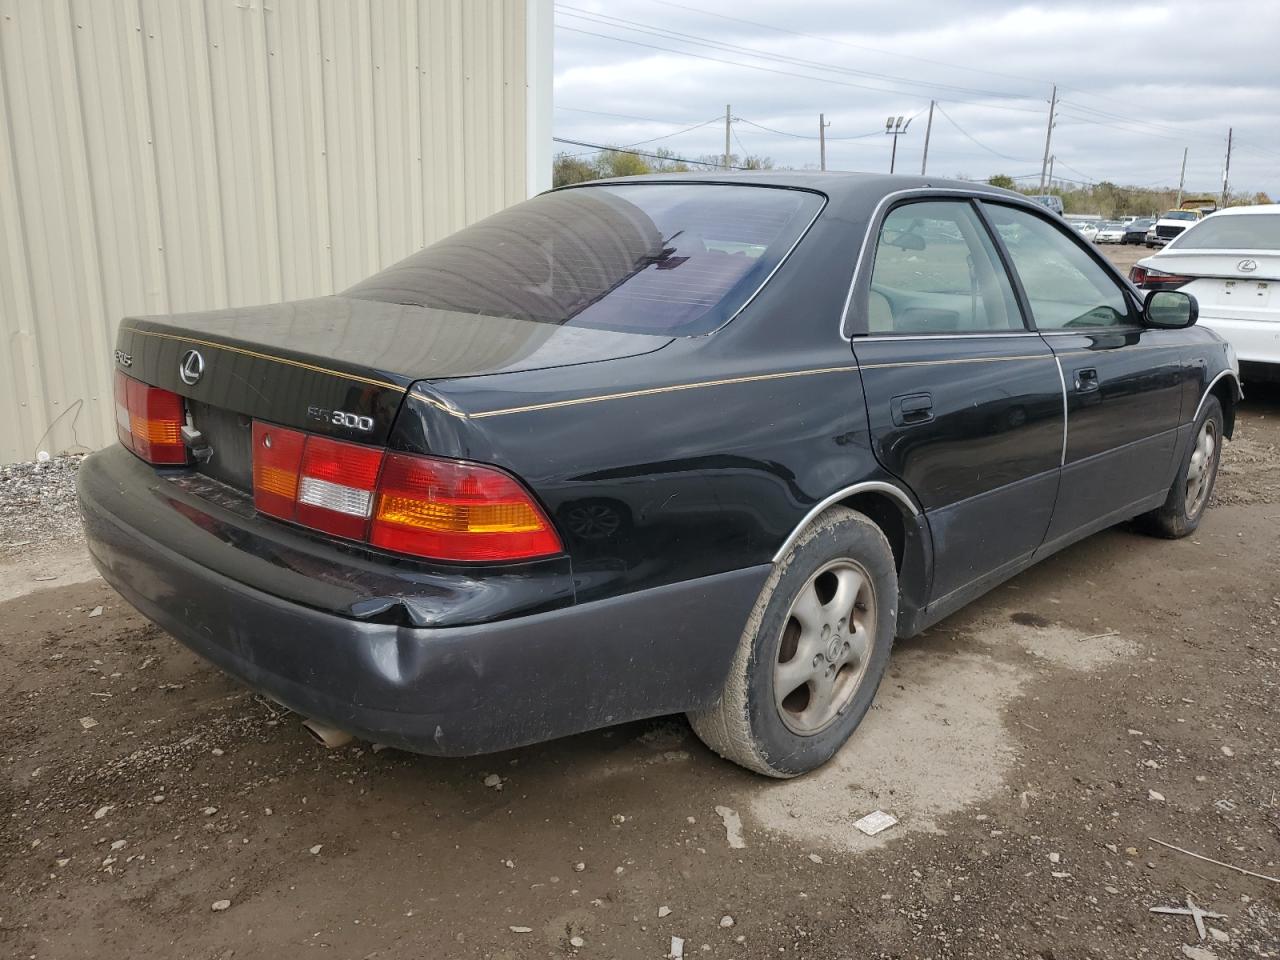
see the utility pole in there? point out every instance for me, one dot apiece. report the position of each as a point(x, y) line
point(1226, 172)
point(928, 129)
point(1052, 158)
point(1048, 135)
point(1182, 178)
point(895, 128)
point(728, 118)
point(822, 141)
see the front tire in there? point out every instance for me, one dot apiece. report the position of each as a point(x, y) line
point(813, 651)
point(1193, 486)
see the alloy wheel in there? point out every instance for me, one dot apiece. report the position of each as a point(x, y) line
point(1200, 469)
point(827, 640)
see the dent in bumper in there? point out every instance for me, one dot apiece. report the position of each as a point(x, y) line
point(448, 690)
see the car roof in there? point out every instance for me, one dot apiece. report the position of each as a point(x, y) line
point(1254, 208)
point(837, 186)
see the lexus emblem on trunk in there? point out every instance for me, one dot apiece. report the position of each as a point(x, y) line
point(1247, 266)
point(191, 368)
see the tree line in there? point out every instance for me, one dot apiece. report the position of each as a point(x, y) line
point(1106, 199)
point(1110, 200)
point(578, 168)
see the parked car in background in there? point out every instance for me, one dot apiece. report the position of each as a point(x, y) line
point(1170, 224)
point(1110, 232)
point(638, 447)
point(1087, 228)
point(1135, 231)
point(1230, 262)
point(1050, 200)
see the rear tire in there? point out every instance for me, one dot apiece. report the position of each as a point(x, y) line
point(1193, 486)
point(813, 651)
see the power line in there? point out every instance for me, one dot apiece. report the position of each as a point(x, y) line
point(1063, 163)
point(784, 73)
point(956, 66)
point(641, 153)
point(667, 33)
point(1004, 156)
point(620, 116)
point(667, 136)
point(844, 43)
point(805, 136)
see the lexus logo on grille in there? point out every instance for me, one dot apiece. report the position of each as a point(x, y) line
point(1247, 266)
point(191, 368)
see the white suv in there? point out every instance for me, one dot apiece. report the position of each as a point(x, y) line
point(1230, 262)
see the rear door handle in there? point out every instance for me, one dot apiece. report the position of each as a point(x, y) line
point(911, 409)
point(1086, 380)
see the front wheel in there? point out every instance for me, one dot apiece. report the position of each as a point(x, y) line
point(813, 652)
point(1193, 485)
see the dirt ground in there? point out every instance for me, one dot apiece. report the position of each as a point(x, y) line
point(1032, 747)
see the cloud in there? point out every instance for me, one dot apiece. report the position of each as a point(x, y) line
point(1137, 83)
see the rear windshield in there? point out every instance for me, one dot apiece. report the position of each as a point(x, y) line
point(665, 258)
point(1239, 231)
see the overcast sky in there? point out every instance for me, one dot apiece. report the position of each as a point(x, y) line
point(1137, 83)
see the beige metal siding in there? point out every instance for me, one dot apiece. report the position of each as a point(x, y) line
point(166, 155)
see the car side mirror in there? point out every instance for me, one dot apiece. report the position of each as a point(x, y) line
point(1170, 309)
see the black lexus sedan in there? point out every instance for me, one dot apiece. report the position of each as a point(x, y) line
point(700, 444)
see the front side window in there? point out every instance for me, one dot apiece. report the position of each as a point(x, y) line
point(1232, 231)
point(937, 271)
point(677, 259)
point(1066, 288)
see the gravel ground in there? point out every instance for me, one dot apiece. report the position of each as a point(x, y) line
point(38, 511)
point(1035, 747)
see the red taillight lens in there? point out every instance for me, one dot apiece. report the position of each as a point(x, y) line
point(447, 510)
point(124, 427)
point(277, 458)
point(149, 421)
point(436, 509)
point(335, 487)
point(1148, 279)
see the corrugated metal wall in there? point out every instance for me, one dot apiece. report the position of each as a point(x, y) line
point(166, 155)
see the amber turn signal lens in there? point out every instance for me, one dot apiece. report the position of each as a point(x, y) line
point(450, 510)
point(149, 421)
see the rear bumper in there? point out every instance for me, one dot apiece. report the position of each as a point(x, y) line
point(454, 690)
point(1254, 341)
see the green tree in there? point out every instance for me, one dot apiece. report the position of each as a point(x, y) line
point(615, 163)
point(1002, 180)
point(567, 169)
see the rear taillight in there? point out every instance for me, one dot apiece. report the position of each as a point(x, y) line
point(422, 506)
point(1148, 279)
point(277, 458)
point(457, 511)
point(149, 421)
point(335, 487)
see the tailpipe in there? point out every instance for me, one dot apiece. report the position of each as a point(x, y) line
point(327, 736)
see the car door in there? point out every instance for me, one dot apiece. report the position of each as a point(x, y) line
point(964, 401)
point(1123, 381)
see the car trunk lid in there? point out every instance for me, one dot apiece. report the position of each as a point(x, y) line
point(1239, 285)
point(334, 366)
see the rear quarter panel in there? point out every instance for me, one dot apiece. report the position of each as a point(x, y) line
point(686, 463)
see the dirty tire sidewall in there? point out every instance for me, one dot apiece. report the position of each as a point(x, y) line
point(1171, 519)
point(745, 726)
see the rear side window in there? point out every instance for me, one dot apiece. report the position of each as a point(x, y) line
point(675, 259)
point(1233, 231)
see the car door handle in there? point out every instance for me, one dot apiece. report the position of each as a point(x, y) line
point(1086, 380)
point(911, 409)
